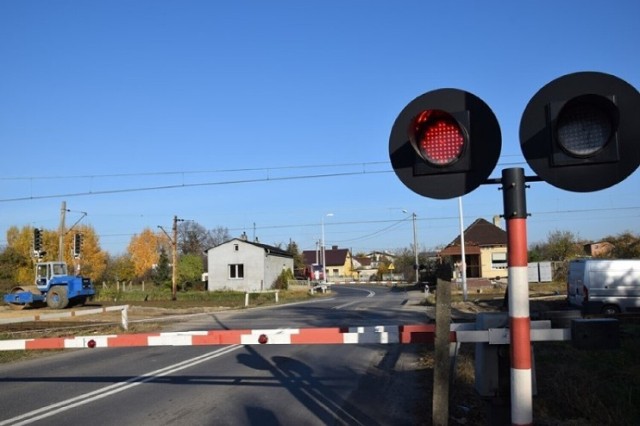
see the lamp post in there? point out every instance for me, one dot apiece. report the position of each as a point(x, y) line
point(324, 254)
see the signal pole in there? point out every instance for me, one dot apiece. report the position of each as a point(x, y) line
point(61, 231)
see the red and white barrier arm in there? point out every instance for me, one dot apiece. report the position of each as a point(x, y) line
point(399, 334)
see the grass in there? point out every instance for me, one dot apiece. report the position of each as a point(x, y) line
point(575, 387)
point(162, 297)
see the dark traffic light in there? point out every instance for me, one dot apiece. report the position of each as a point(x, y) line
point(77, 245)
point(445, 143)
point(581, 132)
point(37, 240)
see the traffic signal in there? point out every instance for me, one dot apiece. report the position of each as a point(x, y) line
point(37, 240)
point(77, 245)
point(445, 143)
point(581, 132)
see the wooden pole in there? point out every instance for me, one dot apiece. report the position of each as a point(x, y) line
point(441, 369)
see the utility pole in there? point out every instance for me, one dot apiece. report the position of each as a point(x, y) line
point(61, 231)
point(174, 255)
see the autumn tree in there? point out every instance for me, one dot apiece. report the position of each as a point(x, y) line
point(20, 241)
point(144, 250)
point(11, 261)
point(92, 259)
point(119, 268)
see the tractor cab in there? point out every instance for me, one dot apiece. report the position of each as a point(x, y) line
point(47, 270)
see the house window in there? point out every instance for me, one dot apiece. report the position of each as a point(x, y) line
point(236, 271)
point(499, 260)
point(236, 247)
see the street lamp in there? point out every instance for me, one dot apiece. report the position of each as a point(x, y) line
point(324, 254)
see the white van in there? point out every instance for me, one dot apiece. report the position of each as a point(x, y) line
point(604, 286)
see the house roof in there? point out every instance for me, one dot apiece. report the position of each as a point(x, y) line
point(335, 256)
point(276, 251)
point(480, 233)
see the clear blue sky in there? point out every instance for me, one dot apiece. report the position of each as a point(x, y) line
point(109, 96)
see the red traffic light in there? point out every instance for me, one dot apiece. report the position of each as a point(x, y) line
point(580, 132)
point(437, 137)
point(445, 143)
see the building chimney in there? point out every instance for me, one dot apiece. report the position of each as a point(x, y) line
point(497, 222)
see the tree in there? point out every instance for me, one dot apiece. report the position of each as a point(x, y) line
point(219, 235)
point(161, 274)
point(93, 259)
point(144, 250)
point(194, 238)
point(282, 282)
point(10, 261)
point(404, 261)
point(298, 261)
point(190, 269)
point(625, 246)
point(119, 268)
point(560, 246)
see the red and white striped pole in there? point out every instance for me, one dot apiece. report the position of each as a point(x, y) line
point(515, 213)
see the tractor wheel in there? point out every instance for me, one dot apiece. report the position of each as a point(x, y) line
point(57, 297)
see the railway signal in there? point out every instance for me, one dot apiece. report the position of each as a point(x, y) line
point(37, 240)
point(445, 143)
point(581, 131)
point(77, 245)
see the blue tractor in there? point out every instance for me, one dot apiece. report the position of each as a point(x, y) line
point(53, 286)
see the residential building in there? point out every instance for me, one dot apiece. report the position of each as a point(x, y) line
point(245, 266)
point(599, 249)
point(485, 247)
point(339, 263)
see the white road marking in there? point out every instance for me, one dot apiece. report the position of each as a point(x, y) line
point(59, 407)
point(371, 294)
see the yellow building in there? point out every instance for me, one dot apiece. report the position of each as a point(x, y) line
point(485, 246)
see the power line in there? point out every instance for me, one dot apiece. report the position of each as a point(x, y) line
point(189, 185)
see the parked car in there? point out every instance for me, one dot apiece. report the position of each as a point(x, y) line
point(604, 286)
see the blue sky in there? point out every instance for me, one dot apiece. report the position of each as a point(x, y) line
point(264, 117)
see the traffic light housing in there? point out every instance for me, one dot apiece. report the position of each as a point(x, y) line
point(581, 132)
point(37, 240)
point(445, 143)
point(77, 245)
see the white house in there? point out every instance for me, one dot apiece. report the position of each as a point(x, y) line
point(245, 266)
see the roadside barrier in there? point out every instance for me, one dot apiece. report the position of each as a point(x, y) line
point(394, 334)
point(70, 314)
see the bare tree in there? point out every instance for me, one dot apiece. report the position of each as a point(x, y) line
point(194, 238)
point(218, 235)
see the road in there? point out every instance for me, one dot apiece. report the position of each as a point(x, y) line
point(235, 384)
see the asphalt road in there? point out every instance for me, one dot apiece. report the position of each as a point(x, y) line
point(235, 384)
